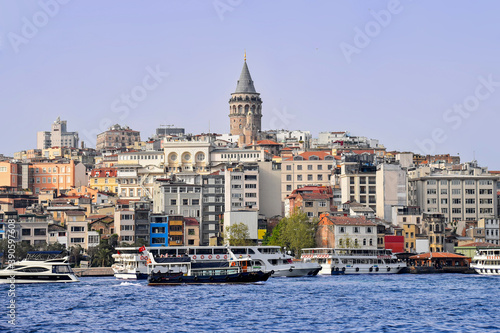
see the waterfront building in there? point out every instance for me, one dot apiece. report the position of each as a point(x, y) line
point(57, 234)
point(245, 109)
point(142, 211)
point(464, 192)
point(358, 179)
point(312, 168)
point(270, 204)
point(391, 190)
point(166, 230)
point(125, 224)
point(491, 228)
point(34, 228)
point(212, 207)
point(77, 229)
point(192, 233)
point(117, 137)
point(346, 232)
point(241, 187)
point(312, 200)
point(11, 174)
point(58, 136)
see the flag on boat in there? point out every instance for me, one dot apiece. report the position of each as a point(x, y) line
point(118, 252)
point(142, 249)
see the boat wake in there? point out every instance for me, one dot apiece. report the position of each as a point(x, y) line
point(129, 284)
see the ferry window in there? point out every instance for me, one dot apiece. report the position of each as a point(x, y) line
point(219, 251)
point(172, 252)
point(204, 251)
point(250, 251)
point(191, 251)
point(239, 251)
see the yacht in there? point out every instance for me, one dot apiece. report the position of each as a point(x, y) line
point(487, 261)
point(353, 261)
point(131, 264)
point(39, 267)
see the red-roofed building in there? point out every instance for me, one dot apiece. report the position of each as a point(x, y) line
point(312, 168)
point(312, 200)
point(104, 180)
point(192, 232)
point(346, 232)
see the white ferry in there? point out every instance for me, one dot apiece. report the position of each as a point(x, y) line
point(131, 264)
point(39, 267)
point(353, 261)
point(487, 261)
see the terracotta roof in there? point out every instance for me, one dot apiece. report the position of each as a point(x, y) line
point(75, 213)
point(346, 220)
point(287, 148)
point(437, 255)
point(306, 155)
point(315, 196)
point(495, 172)
point(191, 221)
point(479, 244)
point(267, 143)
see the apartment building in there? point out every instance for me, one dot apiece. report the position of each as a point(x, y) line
point(241, 187)
point(312, 200)
point(117, 137)
point(467, 194)
point(346, 232)
point(212, 206)
point(491, 228)
point(104, 180)
point(57, 175)
point(58, 136)
point(312, 168)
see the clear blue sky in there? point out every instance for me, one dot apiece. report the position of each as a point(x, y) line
point(398, 84)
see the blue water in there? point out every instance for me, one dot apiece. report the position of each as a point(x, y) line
point(358, 303)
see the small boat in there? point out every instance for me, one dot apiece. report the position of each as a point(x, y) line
point(39, 267)
point(354, 261)
point(180, 270)
point(487, 261)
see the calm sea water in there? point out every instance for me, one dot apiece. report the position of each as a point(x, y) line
point(358, 303)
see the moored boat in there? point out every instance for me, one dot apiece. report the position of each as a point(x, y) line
point(39, 267)
point(180, 270)
point(486, 262)
point(353, 261)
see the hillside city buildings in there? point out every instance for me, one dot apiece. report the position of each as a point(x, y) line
point(177, 188)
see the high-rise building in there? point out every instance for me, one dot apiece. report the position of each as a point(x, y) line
point(245, 109)
point(57, 137)
point(117, 137)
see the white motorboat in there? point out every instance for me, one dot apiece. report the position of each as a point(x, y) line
point(39, 267)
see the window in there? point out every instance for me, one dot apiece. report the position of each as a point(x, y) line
point(369, 231)
point(250, 195)
point(320, 167)
point(250, 177)
point(309, 177)
point(309, 167)
point(195, 202)
point(322, 204)
point(470, 191)
point(456, 191)
point(289, 188)
point(299, 178)
point(126, 227)
point(185, 202)
point(342, 230)
point(77, 240)
point(320, 177)
point(173, 202)
point(289, 178)
point(299, 167)
point(288, 168)
point(356, 229)
point(431, 191)
point(250, 185)
point(26, 232)
point(191, 232)
point(77, 229)
point(470, 201)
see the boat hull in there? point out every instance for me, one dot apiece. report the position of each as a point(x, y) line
point(33, 278)
point(362, 269)
point(296, 272)
point(245, 277)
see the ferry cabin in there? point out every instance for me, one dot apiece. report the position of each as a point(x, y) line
point(353, 261)
point(487, 262)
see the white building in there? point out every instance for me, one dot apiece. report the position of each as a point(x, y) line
point(57, 137)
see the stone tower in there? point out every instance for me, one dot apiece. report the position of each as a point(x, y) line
point(245, 109)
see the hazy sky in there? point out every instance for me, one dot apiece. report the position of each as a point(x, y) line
point(417, 75)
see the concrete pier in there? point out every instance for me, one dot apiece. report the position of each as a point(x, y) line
point(93, 271)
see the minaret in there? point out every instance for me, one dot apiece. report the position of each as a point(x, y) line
point(245, 109)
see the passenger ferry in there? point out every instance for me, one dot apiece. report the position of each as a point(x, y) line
point(130, 264)
point(487, 261)
point(39, 267)
point(181, 270)
point(353, 261)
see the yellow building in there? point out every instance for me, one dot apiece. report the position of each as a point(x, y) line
point(410, 233)
point(104, 180)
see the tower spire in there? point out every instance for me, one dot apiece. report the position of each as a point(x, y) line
point(245, 58)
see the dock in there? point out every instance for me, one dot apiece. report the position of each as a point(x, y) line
point(93, 271)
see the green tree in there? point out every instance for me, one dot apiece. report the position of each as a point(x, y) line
point(103, 256)
point(347, 242)
point(295, 233)
point(275, 237)
point(76, 254)
point(237, 235)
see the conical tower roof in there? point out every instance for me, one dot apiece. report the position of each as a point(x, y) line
point(245, 83)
